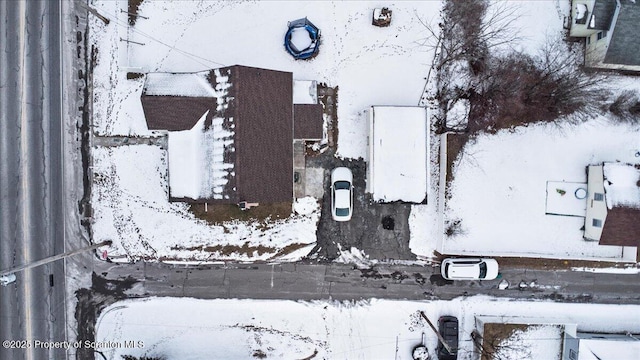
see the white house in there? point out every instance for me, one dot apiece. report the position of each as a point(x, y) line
point(599, 346)
point(613, 204)
point(568, 342)
point(610, 30)
point(398, 167)
point(596, 206)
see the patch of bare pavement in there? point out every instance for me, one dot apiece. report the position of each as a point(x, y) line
point(380, 231)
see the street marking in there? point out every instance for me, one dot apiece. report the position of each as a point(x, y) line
point(272, 268)
point(24, 173)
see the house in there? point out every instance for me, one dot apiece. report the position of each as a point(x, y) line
point(610, 31)
point(398, 166)
point(230, 132)
point(613, 204)
point(514, 337)
point(567, 341)
point(307, 111)
point(600, 346)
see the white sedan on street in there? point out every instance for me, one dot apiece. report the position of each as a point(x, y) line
point(341, 194)
point(469, 269)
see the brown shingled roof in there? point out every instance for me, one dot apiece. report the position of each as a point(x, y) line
point(174, 113)
point(621, 227)
point(307, 121)
point(264, 134)
point(259, 112)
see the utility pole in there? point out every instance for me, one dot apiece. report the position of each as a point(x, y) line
point(95, 12)
point(132, 14)
point(53, 258)
point(440, 338)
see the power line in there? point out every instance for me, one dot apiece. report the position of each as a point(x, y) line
point(194, 57)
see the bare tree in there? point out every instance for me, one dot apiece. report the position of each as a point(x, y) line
point(626, 107)
point(469, 29)
point(462, 40)
point(518, 88)
point(496, 348)
point(505, 89)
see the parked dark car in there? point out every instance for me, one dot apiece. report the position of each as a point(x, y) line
point(448, 328)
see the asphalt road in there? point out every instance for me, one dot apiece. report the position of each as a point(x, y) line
point(31, 214)
point(345, 282)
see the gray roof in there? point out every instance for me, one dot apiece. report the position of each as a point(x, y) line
point(624, 46)
point(602, 14)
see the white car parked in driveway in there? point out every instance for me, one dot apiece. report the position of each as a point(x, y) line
point(341, 194)
point(469, 269)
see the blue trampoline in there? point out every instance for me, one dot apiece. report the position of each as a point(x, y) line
point(302, 40)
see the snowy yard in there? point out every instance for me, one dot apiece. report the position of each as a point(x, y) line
point(370, 66)
point(506, 174)
point(498, 195)
point(131, 203)
point(376, 329)
point(536, 22)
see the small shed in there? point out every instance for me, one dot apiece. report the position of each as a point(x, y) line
point(398, 167)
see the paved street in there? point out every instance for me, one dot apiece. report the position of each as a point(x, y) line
point(344, 282)
point(31, 218)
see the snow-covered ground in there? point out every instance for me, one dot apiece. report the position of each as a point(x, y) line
point(499, 194)
point(534, 23)
point(370, 66)
point(375, 329)
point(131, 207)
point(506, 174)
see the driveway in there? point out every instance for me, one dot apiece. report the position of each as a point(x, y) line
point(365, 231)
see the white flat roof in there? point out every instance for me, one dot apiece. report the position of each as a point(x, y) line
point(398, 148)
point(185, 84)
point(184, 161)
point(566, 198)
point(305, 92)
point(606, 349)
